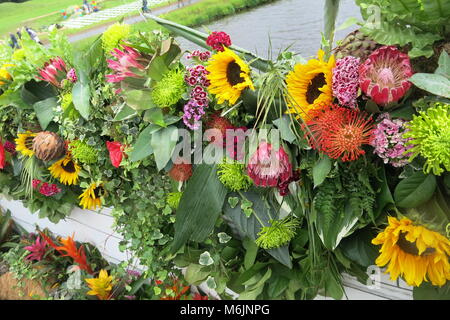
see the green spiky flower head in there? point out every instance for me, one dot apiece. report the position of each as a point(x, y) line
point(19, 54)
point(169, 89)
point(279, 233)
point(173, 199)
point(113, 35)
point(83, 152)
point(430, 136)
point(232, 175)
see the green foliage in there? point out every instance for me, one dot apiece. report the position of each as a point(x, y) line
point(413, 22)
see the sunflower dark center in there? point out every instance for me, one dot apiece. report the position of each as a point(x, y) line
point(313, 91)
point(29, 142)
point(234, 74)
point(410, 247)
point(69, 167)
point(99, 191)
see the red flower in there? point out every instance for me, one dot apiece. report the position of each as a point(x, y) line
point(37, 249)
point(384, 75)
point(268, 168)
point(339, 132)
point(69, 249)
point(181, 171)
point(115, 152)
point(218, 39)
point(2, 156)
point(198, 296)
point(220, 123)
point(10, 147)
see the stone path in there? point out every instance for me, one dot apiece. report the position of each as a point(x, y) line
point(107, 14)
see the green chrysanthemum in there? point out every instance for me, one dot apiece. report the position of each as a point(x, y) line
point(430, 136)
point(279, 233)
point(19, 54)
point(169, 89)
point(173, 199)
point(83, 152)
point(232, 176)
point(113, 35)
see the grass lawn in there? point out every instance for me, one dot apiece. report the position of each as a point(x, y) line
point(37, 13)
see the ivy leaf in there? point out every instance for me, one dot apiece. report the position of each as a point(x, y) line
point(163, 143)
point(223, 237)
point(320, 170)
point(211, 283)
point(44, 111)
point(233, 201)
point(283, 124)
point(197, 215)
point(415, 190)
point(205, 259)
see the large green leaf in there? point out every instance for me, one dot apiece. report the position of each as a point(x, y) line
point(332, 232)
point(143, 147)
point(250, 227)
point(321, 169)
point(415, 190)
point(359, 248)
point(199, 206)
point(384, 195)
point(34, 91)
point(199, 38)
point(427, 291)
point(139, 99)
point(81, 95)
point(444, 65)
point(45, 111)
point(433, 83)
point(125, 113)
point(163, 143)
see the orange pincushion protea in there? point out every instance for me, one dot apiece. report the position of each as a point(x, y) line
point(340, 132)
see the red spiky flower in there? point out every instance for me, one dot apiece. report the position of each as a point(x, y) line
point(340, 132)
point(384, 75)
point(215, 121)
point(69, 249)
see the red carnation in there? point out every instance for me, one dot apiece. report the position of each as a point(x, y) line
point(218, 39)
point(2, 156)
point(115, 152)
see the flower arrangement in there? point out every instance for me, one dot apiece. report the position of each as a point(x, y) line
point(231, 163)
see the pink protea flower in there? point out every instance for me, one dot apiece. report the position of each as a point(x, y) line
point(126, 64)
point(37, 249)
point(346, 81)
point(72, 76)
point(217, 40)
point(269, 168)
point(54, 72)
point(384, 75)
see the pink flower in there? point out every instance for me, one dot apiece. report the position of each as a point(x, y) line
point(268, 168)
point(10, 147)
point(38, 250)
point(346, 81)
point(49, 190)
point(384, 75)
point(54, 72)
point(36, 183)
point(72, 76)
point(115, 152)
point(126, 64)
point(217, 40)
point(2, 156)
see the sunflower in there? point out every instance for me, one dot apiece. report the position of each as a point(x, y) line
point(66, 170)
point(414, 252)
point(24, 143)
point(310, 84)
point(229, 76)
point(91, 197)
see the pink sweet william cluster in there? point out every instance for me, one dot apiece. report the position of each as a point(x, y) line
point(217, 40)
point(387, 139)
point(346, 81)
point(46, 189)
point(202, 56)
point(195, 108)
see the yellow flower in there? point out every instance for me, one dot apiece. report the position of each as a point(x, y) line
point(24, 143)
point(414, 252)
point(4, 74)
point(229, 75)
point(101, 286)
point(66, 170)
point(309, 85)
point(91, 197)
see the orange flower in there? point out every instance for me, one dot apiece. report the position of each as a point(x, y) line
point(69, 249)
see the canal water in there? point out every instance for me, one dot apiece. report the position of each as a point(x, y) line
point(295, 23)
